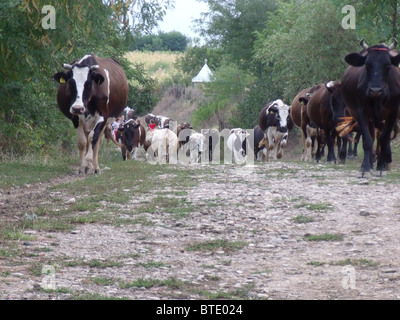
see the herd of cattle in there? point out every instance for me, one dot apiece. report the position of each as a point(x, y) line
point(93, 91)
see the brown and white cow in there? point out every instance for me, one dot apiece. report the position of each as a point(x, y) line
point(299, 116)
point(131, 135)
point(91, 93)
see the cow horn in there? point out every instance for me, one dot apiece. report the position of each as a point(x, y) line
point(393, 45)
point(67, 66)
point(94, 67)
point(363, 44)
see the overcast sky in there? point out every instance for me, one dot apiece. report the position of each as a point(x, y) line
point(181, 18)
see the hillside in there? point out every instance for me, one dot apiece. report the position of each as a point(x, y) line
point(177, 101)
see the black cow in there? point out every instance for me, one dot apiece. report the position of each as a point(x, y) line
point(371, 91)
point(260, 141)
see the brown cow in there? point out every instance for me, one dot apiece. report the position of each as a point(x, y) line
point(299, 116)
point(185, 134)
point(92, 93)
point(131, 135)
point(326, 109)
point(371, 91)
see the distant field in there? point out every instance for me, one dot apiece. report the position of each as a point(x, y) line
point(159, 64)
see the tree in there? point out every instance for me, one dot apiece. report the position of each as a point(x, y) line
point(140, 16)
point(29, 56)
point(230, 24)
point(302, 45)
point(163, 41)
point(193, 60)
point(223, 96)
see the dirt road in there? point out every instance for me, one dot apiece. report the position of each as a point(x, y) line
point(283, 230)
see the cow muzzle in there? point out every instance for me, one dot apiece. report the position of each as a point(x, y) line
point(375, 92)
point(283, 129)
point(77, 110)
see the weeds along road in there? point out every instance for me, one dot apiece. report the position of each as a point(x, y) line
point(279, 230)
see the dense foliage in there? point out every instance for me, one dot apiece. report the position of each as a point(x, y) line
point(163, 41)
point(31, 51)
point(259, 50)
point(288, 45)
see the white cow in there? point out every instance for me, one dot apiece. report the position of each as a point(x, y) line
point(161, 146)
point(196, 146)
point(236, 143)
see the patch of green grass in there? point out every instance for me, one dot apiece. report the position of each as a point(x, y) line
point(316, 263)
point(324, 237)
point(153, 264)
point(94, 263)
point(102, 281)
point(171, 283)
point(30, 171)
point(104, 264)
point(303, 219)
point(95, 296)
point(355, 262)
point(241, 293)
point(15, 233)
point(319, 207)
point(214, 245)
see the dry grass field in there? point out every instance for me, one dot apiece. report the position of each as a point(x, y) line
point(159, 64)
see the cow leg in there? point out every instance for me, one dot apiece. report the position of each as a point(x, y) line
point(134, 153)
point(82, 146)
point(385, 156)
point(96, 149)
point(93, 161)
point(123, 151)
point(368, 142)
point(306, 144)
point(310, 135)
point(343, 150)
point(330, 141)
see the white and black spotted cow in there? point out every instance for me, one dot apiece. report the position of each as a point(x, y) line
point(274, 121)
point(236, 143)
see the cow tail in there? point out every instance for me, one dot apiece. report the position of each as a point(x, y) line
point(395, 130)
point(108, 134)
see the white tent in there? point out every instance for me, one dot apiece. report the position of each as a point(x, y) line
point(205, 74)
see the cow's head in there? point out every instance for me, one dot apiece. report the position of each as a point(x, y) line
point(336, 101)
point(82, 80)
point(127, 129)
point(278, 115)
point(377, 60)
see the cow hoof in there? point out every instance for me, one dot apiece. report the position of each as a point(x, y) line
point(366, 174)
point(380, 173)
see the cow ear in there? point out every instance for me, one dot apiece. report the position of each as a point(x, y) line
point(303, 100)
point(61, 77)
point(97, 78)
point(395, 60)
point(355, 59)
